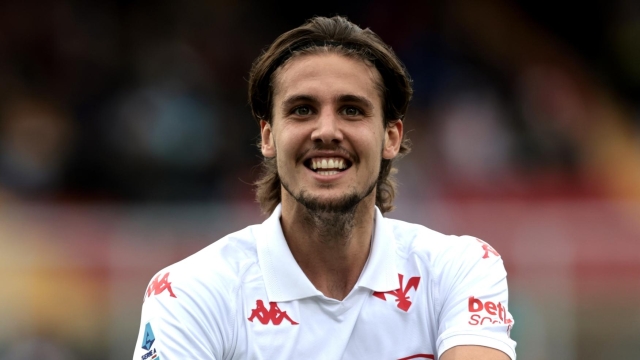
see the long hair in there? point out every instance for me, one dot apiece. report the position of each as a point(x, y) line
point(336, 34)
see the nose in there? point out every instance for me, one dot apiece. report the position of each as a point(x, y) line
point(327, 128)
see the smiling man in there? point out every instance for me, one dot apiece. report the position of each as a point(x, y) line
point(327, 276)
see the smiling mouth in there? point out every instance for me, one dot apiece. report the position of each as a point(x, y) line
point(327, 166)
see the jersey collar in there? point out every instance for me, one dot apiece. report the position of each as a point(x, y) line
point(380, 272)
point(284, 279)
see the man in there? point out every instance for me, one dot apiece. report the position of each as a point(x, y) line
point(326, 276)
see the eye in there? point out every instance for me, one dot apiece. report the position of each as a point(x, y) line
point(351, 111)
point(302, 111)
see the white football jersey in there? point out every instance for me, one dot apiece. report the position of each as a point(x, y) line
point(245, 297)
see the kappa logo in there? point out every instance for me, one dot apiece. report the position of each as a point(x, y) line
point(401, 293)
point(419, 356)
point(273, 314)
point(158, 285)
point(487, 249)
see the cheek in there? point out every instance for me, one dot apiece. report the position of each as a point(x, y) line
point(289, 143)
point(369, 143)
point(291, 137)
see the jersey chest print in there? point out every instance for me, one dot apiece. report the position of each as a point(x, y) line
point(271, 315)
point(401, 294)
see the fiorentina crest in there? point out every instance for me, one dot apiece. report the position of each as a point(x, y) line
point(401, 293)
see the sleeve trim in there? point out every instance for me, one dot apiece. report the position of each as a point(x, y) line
point(475, 339)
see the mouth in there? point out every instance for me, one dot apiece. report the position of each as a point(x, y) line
point(327, 165)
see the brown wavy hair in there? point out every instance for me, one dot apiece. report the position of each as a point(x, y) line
point(339, 35)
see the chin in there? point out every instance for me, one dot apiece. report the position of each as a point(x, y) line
point(336, 203)
point(330, 201)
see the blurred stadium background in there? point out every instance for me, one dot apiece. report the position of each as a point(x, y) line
point(126, 144)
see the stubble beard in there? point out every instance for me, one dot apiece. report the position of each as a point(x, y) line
point(333, 220)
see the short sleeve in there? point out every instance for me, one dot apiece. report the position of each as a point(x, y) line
point(474, 299)
point(180, 321)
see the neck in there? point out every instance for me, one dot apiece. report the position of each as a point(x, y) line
point(330, 248)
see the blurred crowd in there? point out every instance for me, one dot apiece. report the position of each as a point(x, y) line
point(145, 101)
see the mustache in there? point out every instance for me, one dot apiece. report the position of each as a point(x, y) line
point(329, 147)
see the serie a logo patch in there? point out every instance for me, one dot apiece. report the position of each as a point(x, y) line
point(147, 343)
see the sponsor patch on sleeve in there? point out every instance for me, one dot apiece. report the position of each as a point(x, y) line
point(147, 343)
point(487, 312)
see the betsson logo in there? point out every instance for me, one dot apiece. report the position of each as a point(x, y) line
point(497, 313)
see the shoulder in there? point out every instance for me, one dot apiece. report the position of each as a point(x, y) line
point(437, 250)
point(192, 303)
point(419, 239)
point(215, 271)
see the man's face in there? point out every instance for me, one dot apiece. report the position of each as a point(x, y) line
point(327, 131)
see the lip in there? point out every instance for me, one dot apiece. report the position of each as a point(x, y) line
point(328, 154)
point(327, 178)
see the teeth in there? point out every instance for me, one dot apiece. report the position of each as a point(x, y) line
point(328, 163)
point(332, 172)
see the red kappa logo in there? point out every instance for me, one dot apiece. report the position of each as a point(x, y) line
point(273, 314)
point(487, 249)
point(159, 285)
point(401, 293)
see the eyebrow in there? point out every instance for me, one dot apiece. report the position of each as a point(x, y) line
point(355, 99)
point(346, 98)
point(287, 103)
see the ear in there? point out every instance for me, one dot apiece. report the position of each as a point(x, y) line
point(267, 147)
point(392, 139)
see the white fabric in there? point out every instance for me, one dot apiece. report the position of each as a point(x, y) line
point(452, 292)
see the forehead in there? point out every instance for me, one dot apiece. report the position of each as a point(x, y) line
point(327, 74)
